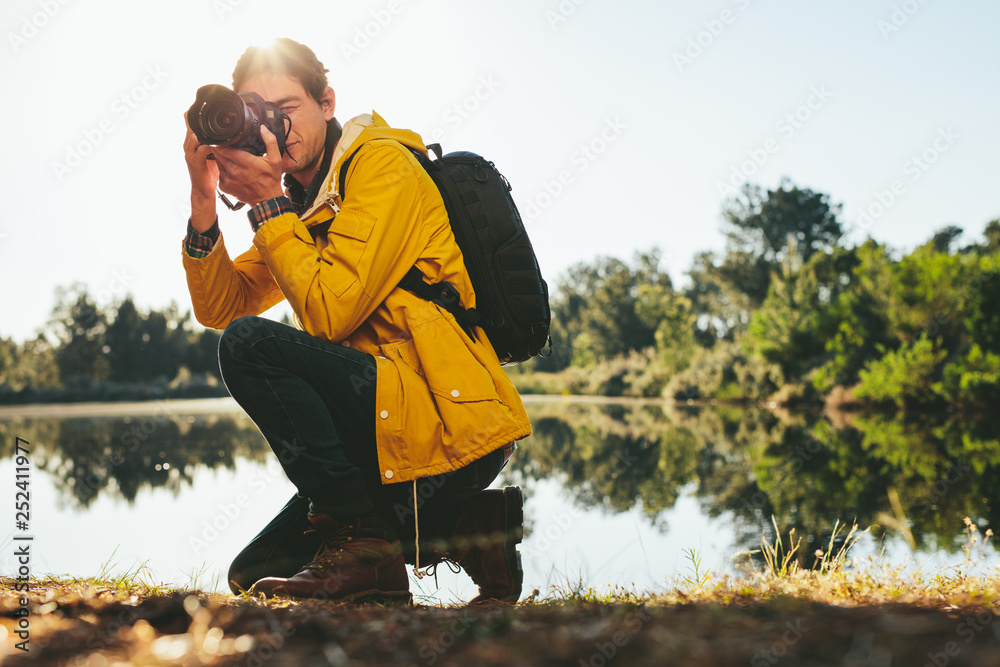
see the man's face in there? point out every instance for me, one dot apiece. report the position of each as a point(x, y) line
point(305, 143)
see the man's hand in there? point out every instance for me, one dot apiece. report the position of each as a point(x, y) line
point(250, 178)
point(204, 180)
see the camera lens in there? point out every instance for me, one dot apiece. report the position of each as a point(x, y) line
point(222, 117)
point(223, 120)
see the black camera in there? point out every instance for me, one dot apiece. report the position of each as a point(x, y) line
point(221, 117)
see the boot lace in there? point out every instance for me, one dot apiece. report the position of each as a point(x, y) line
point(331, 547)
point(431, 569)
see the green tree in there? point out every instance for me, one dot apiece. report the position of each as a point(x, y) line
point(982, 319)
point(596, 309)
point(760, 227)
point(79, 326)
point(164, 340)
point(202, 352)
point(143, 347)
point(784, 329)
point(672, 317)
point(30, 365)
point(766, 224)
point(972, 381)
point(930, 294)
point(905, 376)
point(854, 320)
point(992, 235)
point(724, 291)
point(9, 371)
point(945, 238)
point(124, 339)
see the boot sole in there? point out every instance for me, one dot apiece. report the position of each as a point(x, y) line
point(393, 598)
point(373, 596)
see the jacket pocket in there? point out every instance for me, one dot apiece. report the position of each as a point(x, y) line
point(346, 242)
point(439, 354)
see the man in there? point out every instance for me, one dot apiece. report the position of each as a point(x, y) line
point(380, 388)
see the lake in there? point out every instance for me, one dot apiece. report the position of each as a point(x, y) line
point(618, 494)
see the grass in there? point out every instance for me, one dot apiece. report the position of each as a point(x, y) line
point(839, 595)
point(699, 577)
point(835, 578)
point(137, 576)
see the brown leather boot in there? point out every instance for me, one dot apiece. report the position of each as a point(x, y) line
point(484, 544)
point(358, 561)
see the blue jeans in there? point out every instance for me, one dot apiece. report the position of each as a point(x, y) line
point(314, 403)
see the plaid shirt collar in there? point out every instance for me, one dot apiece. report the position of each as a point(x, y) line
point(302, 198)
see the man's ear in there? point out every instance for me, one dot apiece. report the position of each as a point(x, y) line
point(328, 102)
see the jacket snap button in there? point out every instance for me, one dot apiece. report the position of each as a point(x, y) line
point(454, 393)
point(346, 343)
point(384, 414)
point(388, 474)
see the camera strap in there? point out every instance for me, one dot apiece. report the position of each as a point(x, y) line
point(232, 207)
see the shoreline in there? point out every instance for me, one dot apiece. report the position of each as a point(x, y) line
point(227, 404)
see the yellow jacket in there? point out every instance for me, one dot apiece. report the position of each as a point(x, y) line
point(442, 400)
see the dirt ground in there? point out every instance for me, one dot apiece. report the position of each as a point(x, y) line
point(91, 626)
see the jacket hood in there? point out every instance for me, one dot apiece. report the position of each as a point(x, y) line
point(357, 131)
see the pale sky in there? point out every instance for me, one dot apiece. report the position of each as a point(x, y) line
point(617, 123)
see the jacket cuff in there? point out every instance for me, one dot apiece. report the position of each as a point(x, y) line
point(200, 244)
point(267, 210)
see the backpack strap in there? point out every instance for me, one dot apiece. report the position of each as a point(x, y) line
point(421, 158)
point(444, 293)
point(342, 176)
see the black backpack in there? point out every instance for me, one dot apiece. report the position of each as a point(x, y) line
point(512, 299)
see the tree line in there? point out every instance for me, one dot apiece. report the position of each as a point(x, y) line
point(89, 351)
point(790, 311)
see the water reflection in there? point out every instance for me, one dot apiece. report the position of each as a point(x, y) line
point(749, 464)
point(121, 456)
point(808, 472)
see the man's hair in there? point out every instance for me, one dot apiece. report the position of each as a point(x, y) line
point(285, 56)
